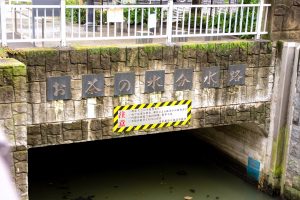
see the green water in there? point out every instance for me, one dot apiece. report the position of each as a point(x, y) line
point(150, 168)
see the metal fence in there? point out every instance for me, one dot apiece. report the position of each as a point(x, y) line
point(63, 23)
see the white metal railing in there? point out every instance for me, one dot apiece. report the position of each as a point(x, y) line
point(63, 23)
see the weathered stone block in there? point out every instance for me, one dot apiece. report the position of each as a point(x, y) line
point(19, 107)
point(265, 60)
point(95, 125)
point(107, 122)
point(53, 61)
point(168, 53)
point(76, 125)
point(212, 119)
point(35, 58)
point(5, 110)
point(211, 57)
point(80, 109)
point(7, 94)
point(254, 48)
point(105, 60)
point(69, 110)
point(20, 119)
point(51, 128)
point(51, 139)
point(132, 57)
point(118, 54)
point(243, 116)
point(93, 60)
point(189, 51)
point(21, 136)
point(74, 135)
point(82, 69)
point(265, 47)
point(20, 155)
point(21, 167)
point(201, 56)
point(9, 124)
point(78, 56)
point(34, 140)
point(40, 73)
point(7, 77)
point(33, 129)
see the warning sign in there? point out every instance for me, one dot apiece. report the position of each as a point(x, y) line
point(153, 115)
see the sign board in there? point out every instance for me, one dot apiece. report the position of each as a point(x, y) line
point(40, 12)
point(124, 83)
point(59, 88)
point(253, 168)
point(211, 77)
point(150, 116)
point(92, 85)
point(154, 81)
point(183, 79)
point(152, 21)
point(236, 75)
point(115, 15)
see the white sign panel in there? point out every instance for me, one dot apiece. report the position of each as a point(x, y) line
point(152, 115)
point(152, 21)
point(115, 15)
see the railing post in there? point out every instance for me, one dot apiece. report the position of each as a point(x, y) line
point(63, 41)
point(3, 23)
point(169, 21)
point(259, 19)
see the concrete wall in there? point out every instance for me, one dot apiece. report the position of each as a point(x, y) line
point(279, 152)
point(79, 120)
point(291, 178)
point(239, 142)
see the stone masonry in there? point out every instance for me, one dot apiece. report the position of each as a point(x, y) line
point(79, 119)
point(13, 118)
point(285, 19)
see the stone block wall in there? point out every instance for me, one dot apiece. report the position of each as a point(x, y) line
point(13, 117)
point(78, 119)
point(285, 20)
point(33, 121)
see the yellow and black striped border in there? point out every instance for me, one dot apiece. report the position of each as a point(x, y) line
point(152, 105)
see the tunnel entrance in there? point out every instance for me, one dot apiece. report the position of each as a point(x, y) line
point(166, 166)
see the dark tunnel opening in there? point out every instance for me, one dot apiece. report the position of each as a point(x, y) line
point(161, 166)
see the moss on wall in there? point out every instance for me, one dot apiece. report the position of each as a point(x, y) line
point(222, 46)
point(97, 49)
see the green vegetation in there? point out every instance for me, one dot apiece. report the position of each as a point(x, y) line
point(139, 13)
point(98, 49)
point(3, 53)
point(20, 2)
point(80, 14)
point(151, 48)
point(228, 19)
point(220, 46)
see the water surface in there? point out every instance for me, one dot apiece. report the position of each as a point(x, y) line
point(158, 167)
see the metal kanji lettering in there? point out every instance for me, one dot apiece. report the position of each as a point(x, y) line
point(154, 82)
point(59, 89)
point(235, 76)
point(182, 80)
point(92, 89)
point(210, 79)
point(124, 85)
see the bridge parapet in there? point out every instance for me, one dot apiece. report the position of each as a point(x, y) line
point(81, 119)
point(75, 118)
